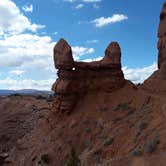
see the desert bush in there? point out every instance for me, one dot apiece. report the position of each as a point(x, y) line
point(15, 95)
point(124, 106)
point(73, 159)
point(137, 152)
point(39, 97)
point(88, 130)
point(145, 109)
point(141, 127)
point(152, 145)
point(45, 158)
point(50, 98)
point(103, 109)
point(86, 122)
point(108, 141)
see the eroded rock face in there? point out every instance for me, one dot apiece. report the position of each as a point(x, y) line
point(162, 37)
point(76, 79)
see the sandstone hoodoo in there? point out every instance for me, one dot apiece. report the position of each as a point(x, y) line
point(112, 54)
point(63, 56)
point(76, 79)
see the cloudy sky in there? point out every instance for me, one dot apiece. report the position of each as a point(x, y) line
point(30, 28)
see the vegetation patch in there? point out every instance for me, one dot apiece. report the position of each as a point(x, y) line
point(152, 145)
point(88, 130)
point(141, 127)
point(15, 95)
point(40, 97)
point(45, 158)
point(137, 152)
point(103, 109)
point(109, 141)
point(124, 107)
point(86, 122)
point(73, 159)
point(145, 109)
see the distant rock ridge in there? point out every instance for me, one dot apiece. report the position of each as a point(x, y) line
point(76, 79)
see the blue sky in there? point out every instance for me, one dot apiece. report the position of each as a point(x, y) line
point(30, 28)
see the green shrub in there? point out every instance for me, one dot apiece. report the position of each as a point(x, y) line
point(124, 106)
point(152, 145)
point(137, 152)
point(40, 97)
point(86, 122)
point(45, 158)
point(16, 95)
point(145, 109)
point(109, 141)
point(103, 109)
point(141, 127)
point(73, 159)
point(88, 130)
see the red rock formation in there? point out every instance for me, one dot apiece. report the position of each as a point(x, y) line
point(112, 54)
point(156, 83)
point(75, 79)
point(63, 55)
point(162, 37)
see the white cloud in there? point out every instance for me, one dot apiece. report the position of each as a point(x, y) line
point(92, 41)
point(12, 21)
point(79, 6)
point(55, 33)
point(17, 72)
point(93, 59)
point(80, 51)
point(84, 1)
point(29, 50)
point(22, 51)
point(27, 84)
point(95, 6)
point(28, 8)
point(138, 75)
point(92, 1)
point(69, 1)
point(102, 21)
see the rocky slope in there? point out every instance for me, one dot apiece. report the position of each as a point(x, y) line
point(107, 120)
